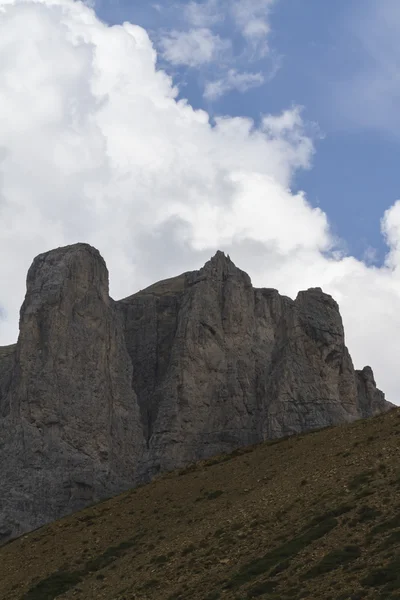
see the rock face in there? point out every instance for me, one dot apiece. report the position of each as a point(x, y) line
point(70, 429)
point(98, 395)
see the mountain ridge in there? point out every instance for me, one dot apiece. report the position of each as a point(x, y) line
point(100, 395)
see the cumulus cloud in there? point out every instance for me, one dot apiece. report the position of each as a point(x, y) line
point(232, 81)
point(194, 47)
point(95, 146)
point(252, 18)
point(204, 14)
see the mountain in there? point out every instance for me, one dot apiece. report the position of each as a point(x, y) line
point(98, 396)
point(313, 516)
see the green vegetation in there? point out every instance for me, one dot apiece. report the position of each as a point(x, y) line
point(334, 560)
point(361, 479)
point(281, 554)
point(387, 576)
point(53, 586)
point(213, 596)
point(265, 587)
point(367, 513)
point(385, 526)
point(392, 540)
point(60, 582)
point(332, 512)
point(160, 560)
point(214, 494)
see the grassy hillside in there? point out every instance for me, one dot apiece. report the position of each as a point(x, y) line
point(314, 516)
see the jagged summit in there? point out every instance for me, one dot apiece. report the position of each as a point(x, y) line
point(220, 255)
point(98, 396)
point(221, 266)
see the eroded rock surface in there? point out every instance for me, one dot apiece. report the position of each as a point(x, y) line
point(219, 364)
point(99, 395)
point(70, 432)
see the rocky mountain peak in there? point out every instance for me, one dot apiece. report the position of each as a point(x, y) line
point(220, 267)
point(98, 396)
point(67, 273)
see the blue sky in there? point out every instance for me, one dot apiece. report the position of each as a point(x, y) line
point(319, 48)
point(161, 132)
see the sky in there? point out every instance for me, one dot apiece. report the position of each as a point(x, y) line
point(161, 132)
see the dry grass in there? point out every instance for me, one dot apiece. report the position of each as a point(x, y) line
point(314, 516)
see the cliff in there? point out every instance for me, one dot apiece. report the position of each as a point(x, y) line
point(98, 396)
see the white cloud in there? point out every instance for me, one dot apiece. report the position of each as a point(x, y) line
point(203, 14)
point(370, 255)
point(95, 147)
point(206, 41)
point(233, 80)
point(390, 226)
point(252, 18)
point(194, 47)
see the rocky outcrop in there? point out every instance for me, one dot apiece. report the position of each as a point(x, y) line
point(219, 364)
point(70, 431)
point(99, 395)
point(7, 361)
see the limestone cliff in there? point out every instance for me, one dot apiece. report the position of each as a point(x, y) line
point(98, 395)
point(69, 429)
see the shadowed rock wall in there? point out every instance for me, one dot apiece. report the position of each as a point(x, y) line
point(98, 395)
